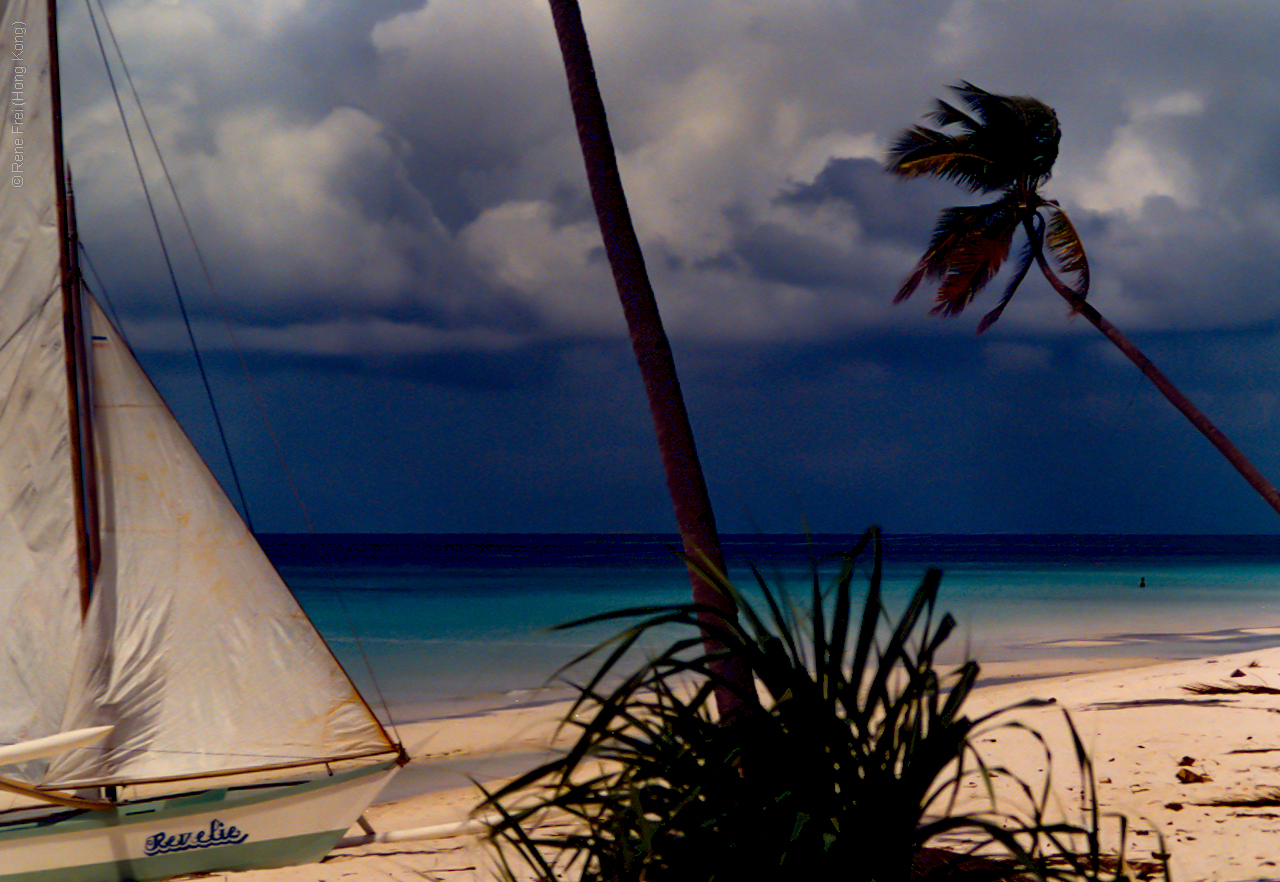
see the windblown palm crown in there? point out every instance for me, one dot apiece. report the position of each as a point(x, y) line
point(990, 144)
point(998, 144)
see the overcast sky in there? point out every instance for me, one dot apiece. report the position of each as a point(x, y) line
point(392, 203)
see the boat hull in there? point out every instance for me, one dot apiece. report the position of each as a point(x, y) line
point(214, 830)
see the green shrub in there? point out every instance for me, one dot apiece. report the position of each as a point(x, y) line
point(851, 770)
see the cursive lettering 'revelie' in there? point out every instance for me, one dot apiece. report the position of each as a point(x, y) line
point(217, 833)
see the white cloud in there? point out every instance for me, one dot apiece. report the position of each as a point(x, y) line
point(963, 34)
point(1175, 105)
point(552, 267)
point(272, 189)
point(468, 36)
point(811, 155)
point(1143, 162)
point(169, 23)
point(698, 158)
point(426, 156)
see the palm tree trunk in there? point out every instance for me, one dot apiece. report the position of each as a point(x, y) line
point(685, 480)
point(1233, 455)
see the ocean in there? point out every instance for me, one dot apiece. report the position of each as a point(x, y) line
point(437, 624)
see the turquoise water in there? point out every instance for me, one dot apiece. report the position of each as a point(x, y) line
point(429, 623)
point(419, 635)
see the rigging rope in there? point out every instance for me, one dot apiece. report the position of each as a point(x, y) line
point(98, 289)
point(235, 345)
point(164, 249)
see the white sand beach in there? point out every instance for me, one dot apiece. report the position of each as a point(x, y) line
point(1162, 756)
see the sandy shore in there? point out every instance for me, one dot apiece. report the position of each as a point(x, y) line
point(1167, 757)
point(1163, 755)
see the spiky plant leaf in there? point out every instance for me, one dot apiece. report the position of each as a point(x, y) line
point(848, 766)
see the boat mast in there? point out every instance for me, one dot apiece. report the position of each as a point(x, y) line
point(85, 491)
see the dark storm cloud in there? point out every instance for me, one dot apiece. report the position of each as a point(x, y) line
point(775, 253)
point(393, 200)
point(429, 154)
point(877, 218)
point(883, 206)
point(525, 368)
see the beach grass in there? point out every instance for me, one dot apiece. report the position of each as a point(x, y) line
point(860, 758)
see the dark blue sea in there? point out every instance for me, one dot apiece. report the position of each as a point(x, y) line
point(425, 624)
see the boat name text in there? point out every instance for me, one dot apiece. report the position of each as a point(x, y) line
point(18, 100)
point(217, 833)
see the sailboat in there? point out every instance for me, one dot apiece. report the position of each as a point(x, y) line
point(165, 705)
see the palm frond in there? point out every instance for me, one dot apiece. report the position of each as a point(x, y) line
point(1025, 259)
point(945, 114)
point(920, 151)
point(968, 247)
point(1025, 131)
point(913, 281)
point(1066, 248)
point(990, 107)
point(989, 143)
point(999, 142)
point(1043, 135)
point(972, 264)
point(913, 142)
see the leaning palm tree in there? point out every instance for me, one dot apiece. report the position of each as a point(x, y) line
point(1003, 145)
point(735, 692)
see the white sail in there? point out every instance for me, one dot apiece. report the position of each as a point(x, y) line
point(39, 600)
point(187, 656)
point(192, 649)
point(197, 653)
